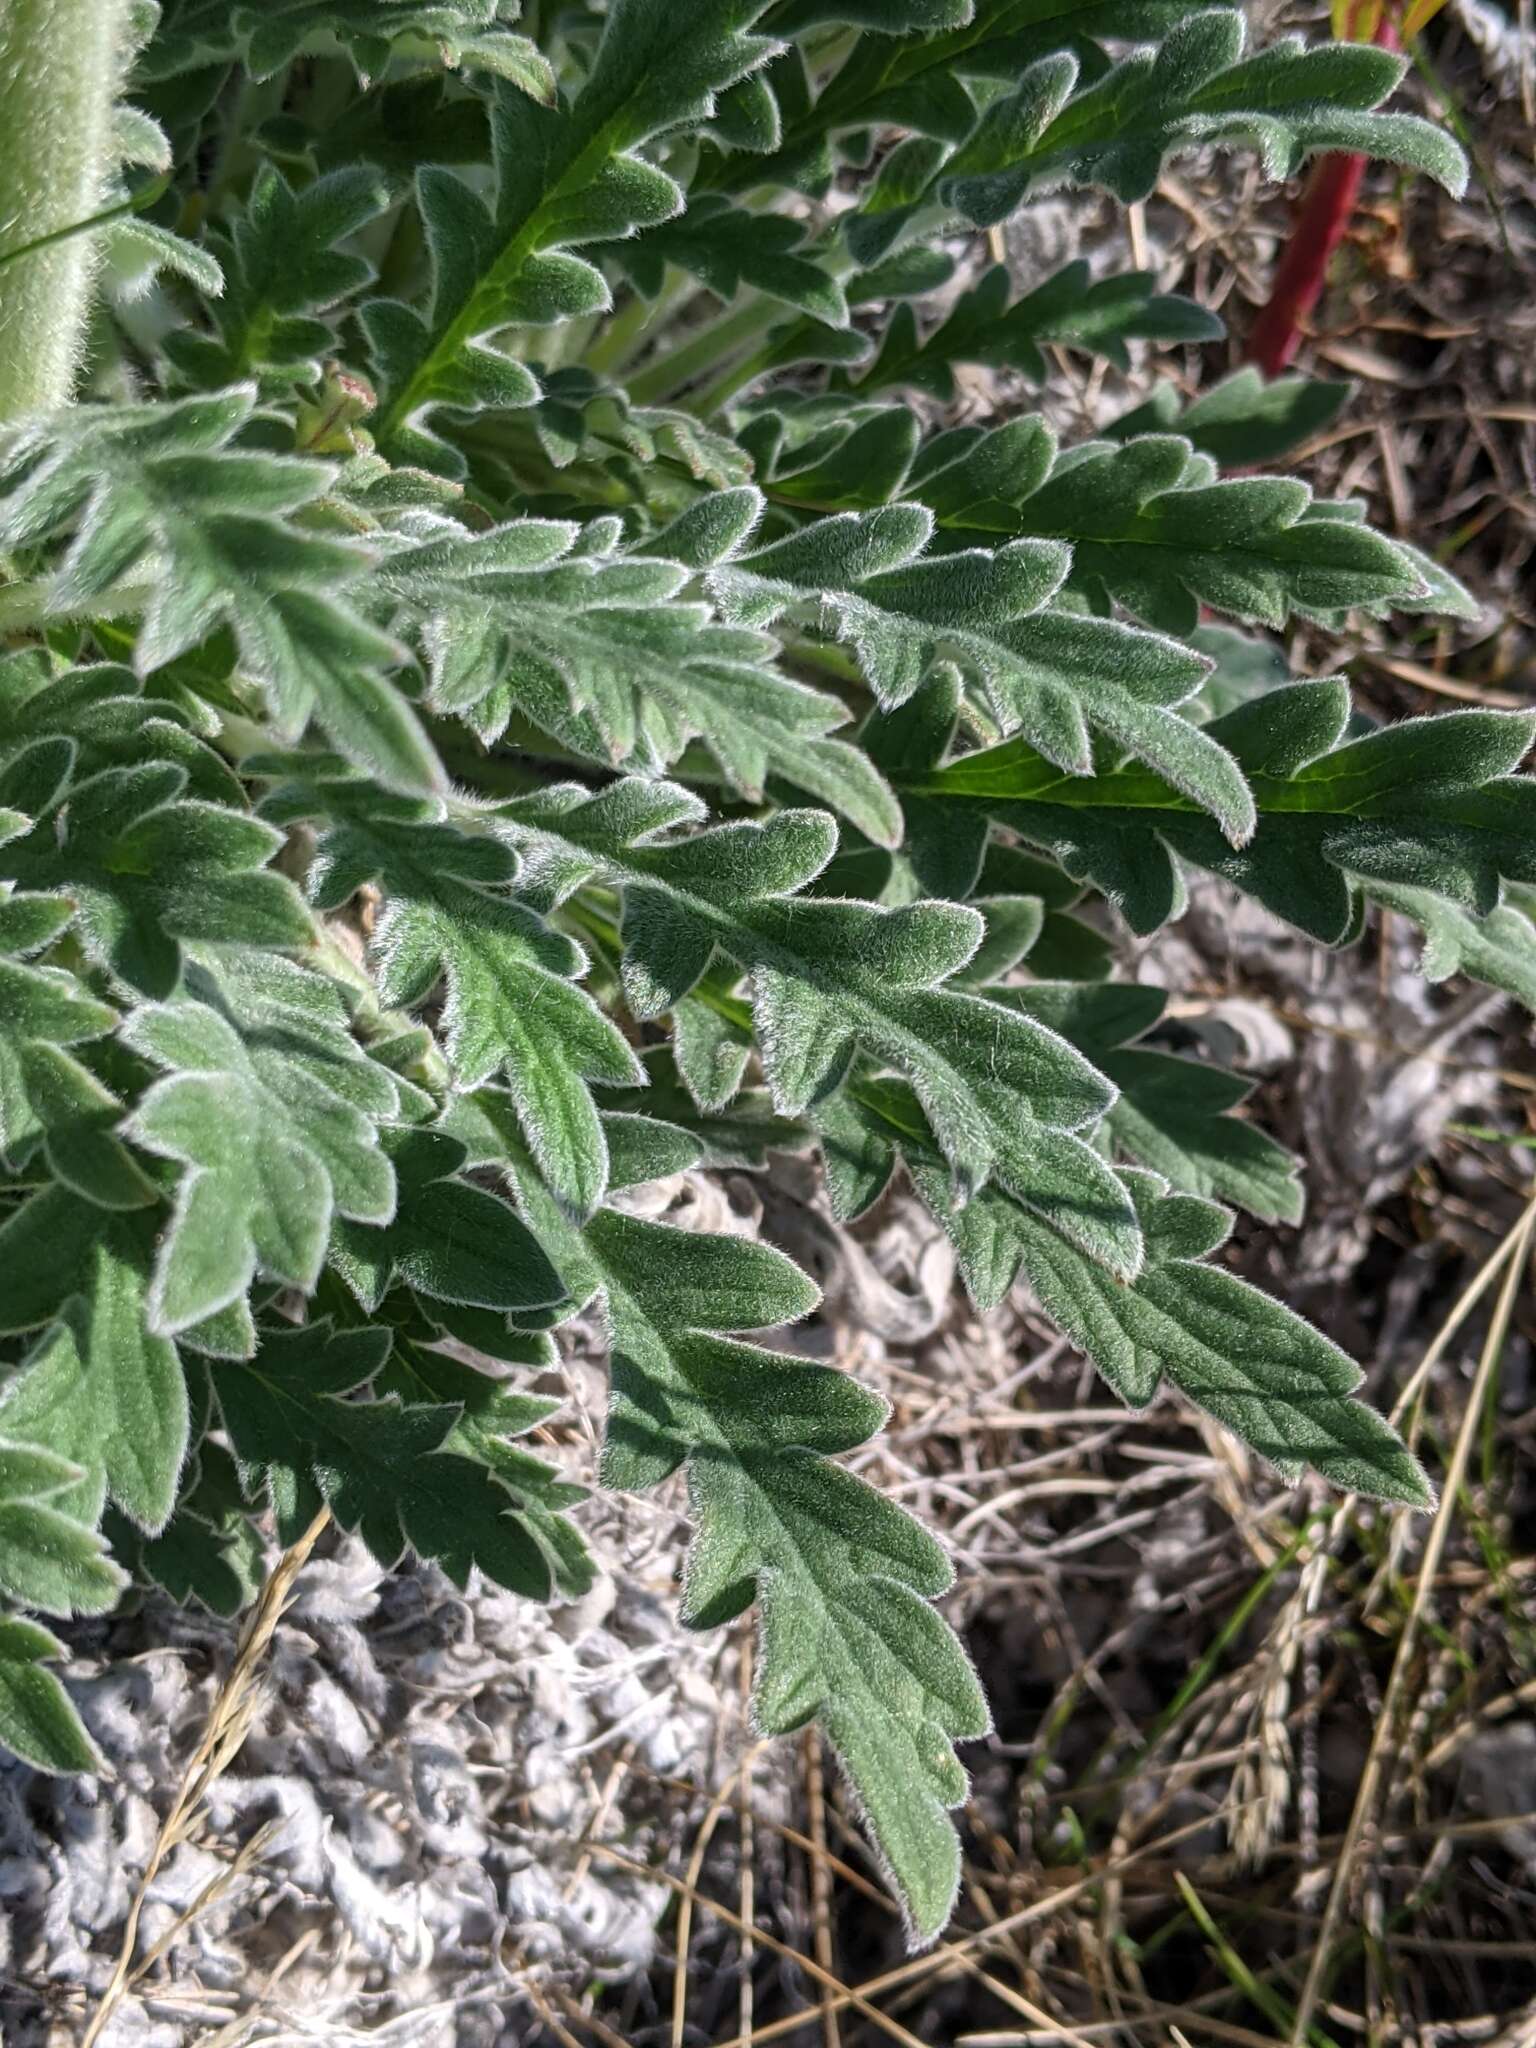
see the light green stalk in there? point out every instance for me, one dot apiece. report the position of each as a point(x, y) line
point(61, 65)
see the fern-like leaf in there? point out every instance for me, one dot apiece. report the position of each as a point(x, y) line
point(1268, 1375)
point(564, 176)
point(841, 1576)
point(172, 522)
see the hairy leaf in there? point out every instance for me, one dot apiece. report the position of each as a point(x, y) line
point(470, 32)
point(480, 744)
point(272, 1111)
point(386, 1468)
point(987, 325)
point(565, 175)
point(1429, 805)
point(986, 614)
point(99, 1388)
point(1006, 1095)
point(841, 1576)
point(1264, 1372)
point(449, 917)
point(48, 1098)
point(173, 522)
point(283, 270)
point(604, 652)
point(1197, 88)
point(38, 1722)
point(146, 869)
point(1172, 1114)
point(48, 1558)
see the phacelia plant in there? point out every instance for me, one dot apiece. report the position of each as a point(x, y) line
point(511, 691)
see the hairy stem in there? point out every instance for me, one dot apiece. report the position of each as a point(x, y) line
point(60, 68)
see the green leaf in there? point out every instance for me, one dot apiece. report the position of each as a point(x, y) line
point(841, 1576)
point(1171, 1114)
point(565, 176)
point(38, 1722)
point(385, 1468)
point(209, 1551)
point(1151, 529)
point(1195, 90)
point(491, 1417)
point(604, 652)
point(1148, 522)
point(726, 247)
point(170, 520)
point(48, 1558)
point(453, 32)
point(914, 82)
point(103, 711)
point(448, 1240)
point(148, 869)
point(273, 1111)
point(1242, 420)
point(1266, 1374)
point(1070, 308)
point(986, 615)
point(738, 1135)
point(1006, 1095)
point(48, 1099)
point(1499, 949)
point(295, 1193)
point(99, 1389)
point(1430, 804)
point(283, 271)
point(450, 918)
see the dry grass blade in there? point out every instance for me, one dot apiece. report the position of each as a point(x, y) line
point(821, 1918)
point(228, 1722)
point(689, 1892)
point(948, 1955)
point(1376, 1762)
point(845, 1993)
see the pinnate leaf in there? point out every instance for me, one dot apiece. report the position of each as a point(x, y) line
point(1263, 1371)
point(1005, 1094)
point(48, 1098)
point(450, 916)
point(842, 1577)
point(147, 869)
point(48, 1557)
point(272, 1112)
point(173, 521)
point(449, 1240)
point(609, 654)
point(565, 176)
point(384, 1467)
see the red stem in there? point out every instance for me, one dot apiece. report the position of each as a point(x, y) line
point(1321, 223)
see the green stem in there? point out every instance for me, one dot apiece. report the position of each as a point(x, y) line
point(61, 65)
point(134, 203)
point(708, 348)
point(634, 326)
point(620, 335)
point(715, 397)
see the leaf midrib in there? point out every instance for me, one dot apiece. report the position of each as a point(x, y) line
point(1140, 790)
